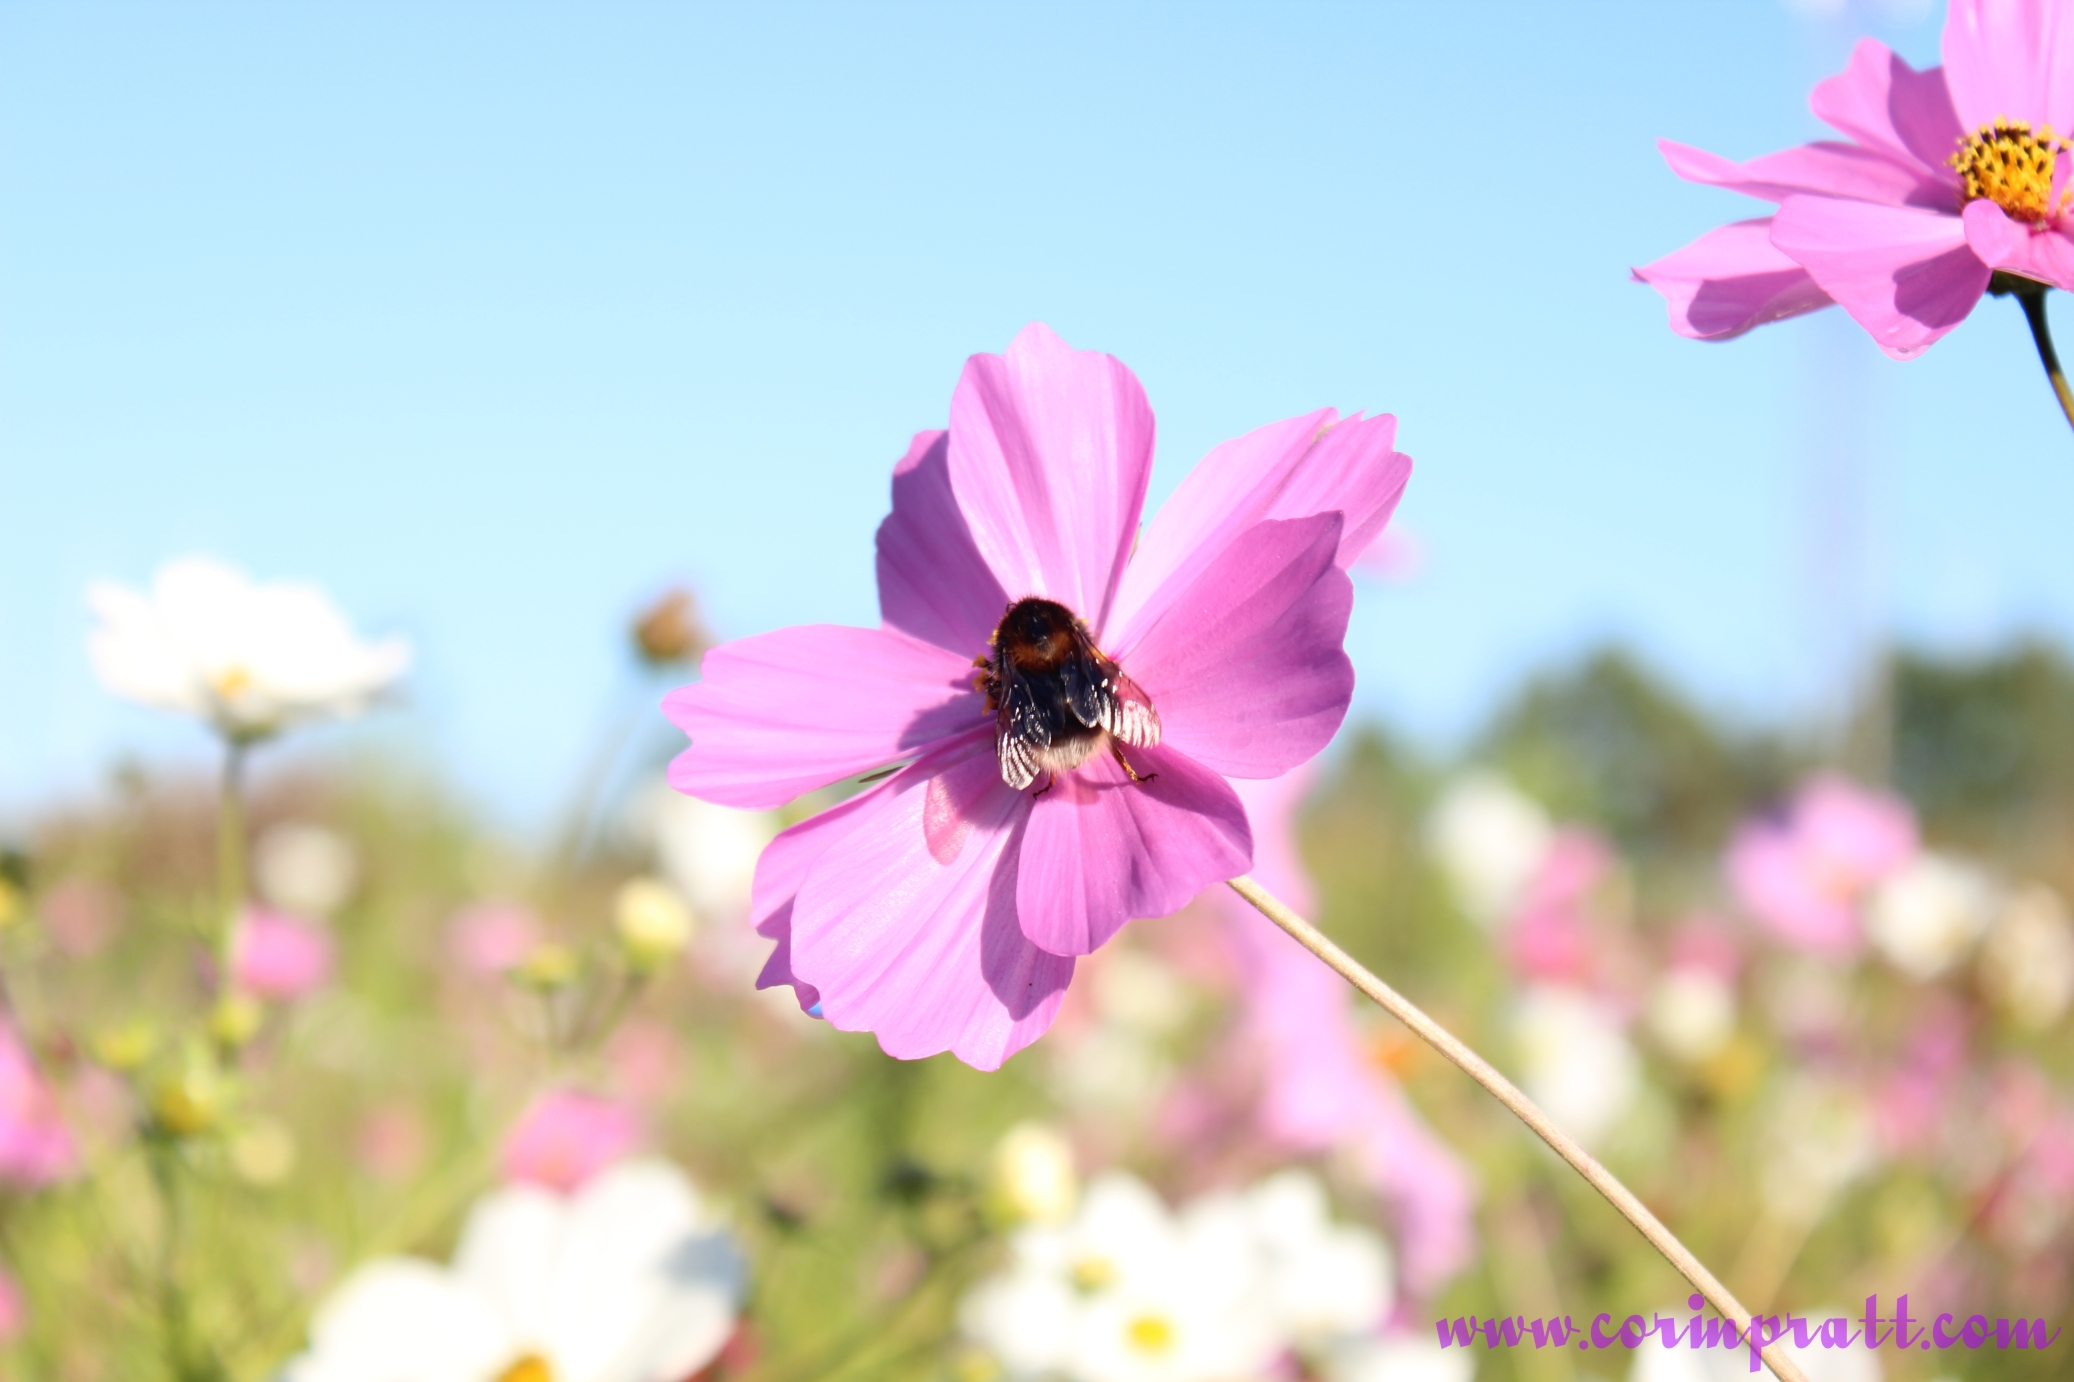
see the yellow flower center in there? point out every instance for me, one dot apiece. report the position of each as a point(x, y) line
point(531, 1368)
point(2012, 167)
point(231, 681)
point(1149, 1334)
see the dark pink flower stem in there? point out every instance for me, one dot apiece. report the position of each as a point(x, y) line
point(1528, 1112)
point(2031, 296)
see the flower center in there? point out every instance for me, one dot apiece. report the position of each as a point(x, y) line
point(531, 1368)
point(2009, 165)
point(1092, 1273)
point(232, 681)
point(1055, 697)
point(1149, 1334)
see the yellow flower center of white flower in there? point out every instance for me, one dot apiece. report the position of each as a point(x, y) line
point(1149, 1334)
point(531, 1368)
point(232, 681)
point(1093, 1273)
point(2010, 165)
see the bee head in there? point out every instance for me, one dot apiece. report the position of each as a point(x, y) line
point(1037, 634)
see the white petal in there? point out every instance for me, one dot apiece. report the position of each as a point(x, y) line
point(403, 1320)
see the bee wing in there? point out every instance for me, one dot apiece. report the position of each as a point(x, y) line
point(1127, 711)
point(1086, 681)
point(1019, 729)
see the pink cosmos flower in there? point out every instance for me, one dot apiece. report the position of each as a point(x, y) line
point(566, 1136)
point(1944, 177)
point(490, 938)
point(36, 1148)
point(943, 908)
point(1323, 1089)
point(277, 956)
point(1555, 935)
point(1803, 876)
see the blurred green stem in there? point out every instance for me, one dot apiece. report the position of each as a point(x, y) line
point(1525, 1109)
point(186, 1360)
point(230, 851)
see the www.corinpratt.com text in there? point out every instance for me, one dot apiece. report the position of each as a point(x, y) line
point(1920, 1330)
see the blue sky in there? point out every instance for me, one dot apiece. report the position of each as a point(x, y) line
point(494, 319)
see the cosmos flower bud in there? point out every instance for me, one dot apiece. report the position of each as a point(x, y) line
point(235, 1020)
point(549, 965)
point(1033, 1179)
point(189, 1100)
point(652, 922)
point(670, 631)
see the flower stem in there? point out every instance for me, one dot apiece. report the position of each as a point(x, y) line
point(2033, 302)
point(230, 851)
point(1508, 1094)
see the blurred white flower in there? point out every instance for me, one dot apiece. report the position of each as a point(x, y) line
point(1033, 1177)
point(1490, 839)
point(1820, 1136)
point(1691, 1012)
point(1135, 990)
point(1575, 1060)
point(1925, 918)
point(1397, 1358)
point(628, 1281)
point(1326, 1281)
point(305, 869)
point(709, 852)
point(249, 659)
point(2027, 964)
point(1127, 1292)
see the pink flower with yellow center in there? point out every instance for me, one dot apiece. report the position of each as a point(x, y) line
point(1804, 875)
point(1944, 177)
point(1060, 695)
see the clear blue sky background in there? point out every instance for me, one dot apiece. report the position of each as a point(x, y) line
point(495, 318)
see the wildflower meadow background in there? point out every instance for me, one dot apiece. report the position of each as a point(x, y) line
point(400, 407)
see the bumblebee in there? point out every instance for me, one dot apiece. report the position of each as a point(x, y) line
point(1056, 700)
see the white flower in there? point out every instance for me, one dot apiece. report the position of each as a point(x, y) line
point(1490, 839)
point(249, 659)
point(1926, 917)
point(1691, 1012)
point(628, 1281)
point(1326, 1281)
point(1398, 1358)
point(305, 869)
point(651, 920)
point(2027, 965)
point(1575, 1060)
point(1033, 1176)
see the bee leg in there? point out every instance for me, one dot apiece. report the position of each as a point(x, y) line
point(1049, 783)
point(1125, 764)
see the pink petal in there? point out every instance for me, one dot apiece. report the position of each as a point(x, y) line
point(2045, 256)
point(1102, 849)
point(1730, 280)
point(1883, 103)
point(1290, 469)
point(786, 712)
point(1828, 169)
point(2013, 58)
point(1904, 274)
point(933, 583)
point(923, 952)
point(1244, 660)
point(1050, 452)
point(1774, 880)
point(781, 871)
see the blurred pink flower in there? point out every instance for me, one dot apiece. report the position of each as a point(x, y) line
point(1919, 1098)
point(14, 1311)
point(280, 957)
point(943, 909)
point(392, 1141)
point(36, 1147)
point(1323, 1088)
point(490, 938)
point(566, 1136)
point(1554, 935)
point(82, 915)
point(647, 1060)
point(1705, 944)
point(1803, 876)
point(1950, 174)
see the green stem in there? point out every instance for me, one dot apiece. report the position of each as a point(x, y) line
point(230, 850)
point(185, 1360)
point(2032, 300)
